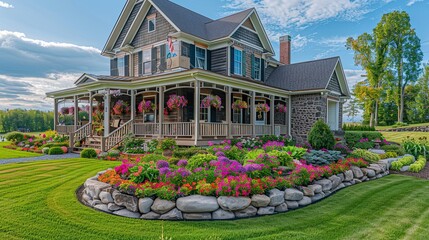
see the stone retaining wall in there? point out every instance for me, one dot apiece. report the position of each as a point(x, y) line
point(409, 129)
point(103, 197)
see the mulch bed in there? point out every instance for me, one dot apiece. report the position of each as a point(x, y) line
point(424, 174)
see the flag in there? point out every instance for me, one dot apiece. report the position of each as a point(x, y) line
point(170, 44)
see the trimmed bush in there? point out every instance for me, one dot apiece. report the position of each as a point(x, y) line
point(88, 153)
point(405, 161)
point(321, 158)
point(15, 137)
point(388, 155)
point(366, 155)
point(418, 165)
point(45, 150)
point(321, 136)
point(364, 145)
point(186, 153)
point(114, 153)
point(50, 145)
point(65, 149)
point(167, 144)
point(200, 159)
point(55, 151)
point(399, 150)
point(153, 158)
point(355, 127)
point(353, 137)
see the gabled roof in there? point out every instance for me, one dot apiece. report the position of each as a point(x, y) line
point(226, 26)
point(310, 75)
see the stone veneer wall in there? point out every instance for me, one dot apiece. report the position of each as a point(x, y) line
point(306, 110)
point(103, 197)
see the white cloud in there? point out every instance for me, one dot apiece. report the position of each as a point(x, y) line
point(411, 2)
point(354, 76)
point(5, 5)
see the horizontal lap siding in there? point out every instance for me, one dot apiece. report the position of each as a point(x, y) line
point(243, 34)
point(128, 25)
point(219, 61)
point(334, 84)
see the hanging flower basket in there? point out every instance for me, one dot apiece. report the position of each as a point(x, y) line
point(71, 110)
point(64, 111)
point(176, 102)
point(281, 108)
point(146, 106)
point(239, 104)
point(260, 108)
point(214, 101)
point(121, 107)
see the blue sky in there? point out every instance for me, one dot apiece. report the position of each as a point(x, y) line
point(46, 44)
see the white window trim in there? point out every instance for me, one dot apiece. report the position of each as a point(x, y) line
point(122, 68)
point(241, 61)
point(205, 57)
point(260, 67)
point(337, 112)
point(143, 62)
point(154, 24)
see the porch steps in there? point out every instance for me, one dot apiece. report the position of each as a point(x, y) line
point(92, 142)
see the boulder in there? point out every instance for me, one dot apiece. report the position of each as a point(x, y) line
point(341, 176)
point(197, 204)
point(113, 207)
point(308, 191)
point(379, 176)
point(376, 168)
point(305, 201)
point(383, 165)
point(151, 216)
point(86, 197)
point(197, 216)
point(365, 178)
point(145, 204)
point(95, 202)
point(174, 214)
point(317, 197)
point(106, 197)
point(325, 183)
point(276, 196)
point(405, 168)
point(341, 186)
point(265, 211)
point(260, 200)
point(233, 203)
point(281, 208)
point(250, 211)
point(356, 181)
point(348, 175)
point(316, 188)
point(127, 213)
point(357, 173)
point(292, 204)
point(94, 187)
point(221, 214)
point(102, 207)
point(292, 194)
point(335, 181)
point(347, 184)
point(377, 151)
point(125, 200)
point(162, 206)
point(368, 172)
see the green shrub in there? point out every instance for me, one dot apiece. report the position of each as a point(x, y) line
point(167, 144)
point(356, 127)
point(405, 161)
point(399, 124)
point(416, 147)
point(399, 150)
point(284, 158)
point(152, 158)
point(45, 150)
point(114, 153)
point(366, 155)
point(388, 155)
point(353, 137)
point(364, 145)
point(186, 153)
point(50, 145)
point(234, 153)
point(200, 160)
point(252, 155)
point(321, 158)
point(418, 165)
point(16, 137)
point(55, 151)
point(321, 136)
point(134, 145)
point(295, 152)
point(88, 153)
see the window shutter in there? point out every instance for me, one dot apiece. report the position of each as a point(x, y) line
point(127, 65)
point(140, 67)
point(262, 70)
point(163, 63)
point(209, 60)
point(192, 55)
point(232, 60)
point(114, 67)
point(154, 60)
point(252, 60)
point(244, 63)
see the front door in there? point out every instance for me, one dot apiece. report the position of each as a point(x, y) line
point(333, 115)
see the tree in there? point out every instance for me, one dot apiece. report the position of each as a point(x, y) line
point(367, 95)
point(351, 109)
point(422, 98)
point(404, 53)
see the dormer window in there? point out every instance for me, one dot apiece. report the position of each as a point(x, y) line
point(200, 58)
point(151, 24)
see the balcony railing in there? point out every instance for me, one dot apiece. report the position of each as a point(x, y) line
point(214, 129)
point(161, 65)
point(263, 130)
point(241, 130)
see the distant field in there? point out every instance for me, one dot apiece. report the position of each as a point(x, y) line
point(398, 137)
point(381, 128)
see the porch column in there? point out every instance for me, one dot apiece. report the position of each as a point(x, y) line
point(55, 114)
point(161, 111)
point(197, 111)
point(133, 108)
point(107, 113)
point(253, 114)
point(289, 114)
point(90, 108)
point(228, 111)
point(76, 112)
point(273, 127)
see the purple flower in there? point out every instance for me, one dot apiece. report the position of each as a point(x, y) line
point(211, 143)
point(212, 162)
point(226, 148)
point(253, 167)
point(162, 164)
point(164, 171)
point(198, 169)
point(183, 172)
point(220, 154)
point(223, 159)
point(182, 163)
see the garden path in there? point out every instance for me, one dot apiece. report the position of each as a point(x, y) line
point(41, 158)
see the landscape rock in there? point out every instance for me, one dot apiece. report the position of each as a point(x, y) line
point(317, 197)
point(125, 200)
point(348, 175)
point(197, 204)
point(292, 194)
point(379, 176)
point(113, 207)
point(145, 204)
point(94, 187)
point(281, 208)
point(368, 172)
point(292, 204)
point(95, 202)
point(221, 214)
point(86, 197)
point(127, 213)
point(376, 168)
point(341, 176)
point(106, 197)
point(197, 216)
point(233, 203)
point(151, 216)
point(335, 181)
point(102, 207)
point(305, 201)
point(347, 184)
point(174, 214)
point(260, 200)
point(308, 191)
point(356, 181)
point(265, 211)
point(247, 212)
point(357, 173)
point(405, 168)
point(276, 197)
point(377, 151)
point(325, 183)
point(162, 206)
point(316, 188)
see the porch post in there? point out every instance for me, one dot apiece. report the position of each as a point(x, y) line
point(197, 111)
point(76, 112)
point(107, 113)
point(289, 122)
point(273, 127)
point(228, 111)
point(253, 114)
point(90, 108)
point(161, 111)
point(133, 108)
point(55, 114)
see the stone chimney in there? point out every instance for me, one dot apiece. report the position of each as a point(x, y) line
point(285, 44)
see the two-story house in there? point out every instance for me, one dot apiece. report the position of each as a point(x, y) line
point(175, 73)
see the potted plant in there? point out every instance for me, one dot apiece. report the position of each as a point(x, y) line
point(214, 101)
point(239, 104)
point(281, 108)
point(146, 106)
point(175, 102)
point(262, 107)
point(121, 108)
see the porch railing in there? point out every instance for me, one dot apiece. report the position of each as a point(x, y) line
point(146, 129)
point(283, 129)
point(182, 129)
point(66, 129)
point(238, 129)
point(263, 130)
point(213, 129)
point(117, 136)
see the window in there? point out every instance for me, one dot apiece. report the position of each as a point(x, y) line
point(237, 114)
point(121, 66)
point(204, 112)
point(257, 68)
point(185, 49)
point(200, 58)
point(147, 61)
point(238, 62)
point(151, 25)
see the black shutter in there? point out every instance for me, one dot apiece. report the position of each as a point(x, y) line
point(163, 63)
point(192, 55)
point(114, 67)
point(252, 66)
point(232, 60)
point(262, 70)
point(140, 67)
point(127, 65)
point(209, 60)
point(243, 61)
point(154, 60)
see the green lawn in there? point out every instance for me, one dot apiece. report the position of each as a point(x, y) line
point(37, 201)
point(381, 128)
point(399, 136)
point(9, 153)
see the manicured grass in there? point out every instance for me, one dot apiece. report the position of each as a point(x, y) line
point(381, 128)
point(10, 153)
point(37, 201)
point(399, 136)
